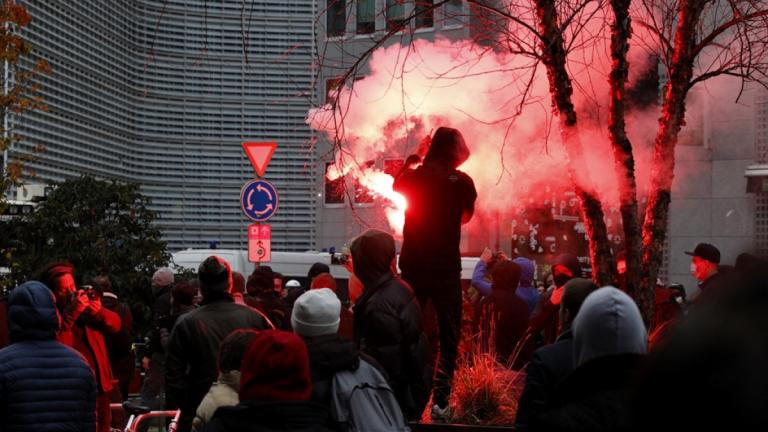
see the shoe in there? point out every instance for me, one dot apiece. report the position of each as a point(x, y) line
point(440, 414)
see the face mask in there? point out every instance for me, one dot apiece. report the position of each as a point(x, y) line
point(693, 268)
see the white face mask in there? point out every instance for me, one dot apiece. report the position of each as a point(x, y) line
point(693, 269)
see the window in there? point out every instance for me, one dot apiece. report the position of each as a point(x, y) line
point(395, 14)
point(366, 16)
point(362, 194)
point(331, 89)
point(336, 17)
point(334, 189)
point(453, 13)
point(393, 166)
point(425, 14)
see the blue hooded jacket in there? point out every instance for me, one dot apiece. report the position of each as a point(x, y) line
point(44, 385)
point(526, 290)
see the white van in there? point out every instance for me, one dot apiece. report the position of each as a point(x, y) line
point(293, 265)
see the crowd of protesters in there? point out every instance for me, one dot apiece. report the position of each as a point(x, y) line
point(258, 353)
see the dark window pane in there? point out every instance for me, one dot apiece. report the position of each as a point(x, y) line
point(331, 89)
point(425, 14)
point(362, 194)
point(336, 17)
point(366, 16)
point(395, 14)
point(392, 166)
point(334, 189)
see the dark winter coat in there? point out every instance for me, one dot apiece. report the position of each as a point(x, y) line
point(161, 310)
point(507, 311)
point(5, 337)
point(440, 198)
point(250, 416)
point(86, 334)
point(44, 385)
point(388, 328)
point(191, 364)
point(120, 344)
point(329, 354)
point(609, 344)
point(595, 397)
point(548, 367)
point(545, 319)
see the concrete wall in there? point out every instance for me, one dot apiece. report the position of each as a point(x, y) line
point(709, 198)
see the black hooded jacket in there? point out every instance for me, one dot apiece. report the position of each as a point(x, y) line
point(440, 198)
point(545, 318)
point(388, 322)
point(507, 311)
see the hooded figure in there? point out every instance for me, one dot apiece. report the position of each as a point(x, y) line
point(551, 364)
point(526, 290)
point(609, 344)
point(193, 347)
point(440, 199)
point(42, 381)
point(387, 323)
point(506, 313)
point(545, 318)
point(275, 389)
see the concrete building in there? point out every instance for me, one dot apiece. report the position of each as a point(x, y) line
point(163, 93)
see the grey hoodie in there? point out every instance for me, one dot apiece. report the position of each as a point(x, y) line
point(608, 323)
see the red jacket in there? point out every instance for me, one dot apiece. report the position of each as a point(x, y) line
point(93, 327)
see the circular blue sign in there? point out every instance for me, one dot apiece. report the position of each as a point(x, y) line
point(258, 199)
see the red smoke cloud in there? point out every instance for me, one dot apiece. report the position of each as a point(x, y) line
point(501, 104)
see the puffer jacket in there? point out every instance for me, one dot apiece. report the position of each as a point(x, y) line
point(222, 393)
point(44, 385)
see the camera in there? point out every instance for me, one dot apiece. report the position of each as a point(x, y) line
point(91, 292)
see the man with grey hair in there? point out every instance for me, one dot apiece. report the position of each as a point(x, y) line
point(191, 364)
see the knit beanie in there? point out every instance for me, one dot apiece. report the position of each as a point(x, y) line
point(316, 312)
point(275, 368)
point(214, 274)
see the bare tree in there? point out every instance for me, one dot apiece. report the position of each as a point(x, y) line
point(695, 40)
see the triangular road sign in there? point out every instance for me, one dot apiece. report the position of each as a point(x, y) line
point(260, 153)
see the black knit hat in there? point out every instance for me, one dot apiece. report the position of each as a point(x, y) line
point(214, 274)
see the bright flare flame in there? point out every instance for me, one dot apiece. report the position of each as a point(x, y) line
point(378, 184)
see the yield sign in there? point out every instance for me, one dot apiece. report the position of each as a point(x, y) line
point(259, 153)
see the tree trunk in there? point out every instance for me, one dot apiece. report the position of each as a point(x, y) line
point(561, 89)
point(670, 122)
point(621, 31)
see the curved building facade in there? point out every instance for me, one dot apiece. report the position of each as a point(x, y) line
point(163, 93)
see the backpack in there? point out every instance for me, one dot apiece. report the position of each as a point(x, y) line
point(362, 400)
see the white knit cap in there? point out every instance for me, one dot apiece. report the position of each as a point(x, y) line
point(316, 312)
